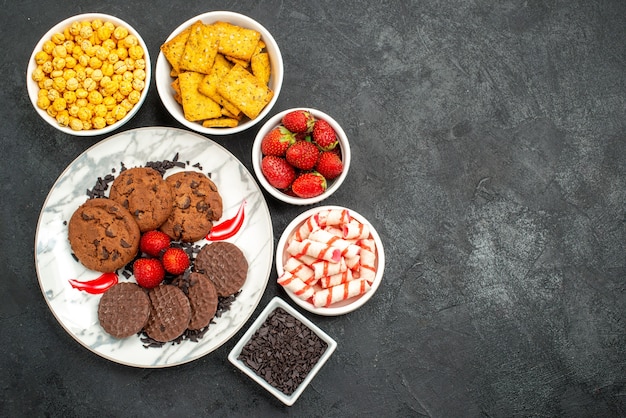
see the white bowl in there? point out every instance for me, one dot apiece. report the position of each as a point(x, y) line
point(277, 302)
point(332, 185)
point(164, 80)
point(33, 87)
point(345, 306)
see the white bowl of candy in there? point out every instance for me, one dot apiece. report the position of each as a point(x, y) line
point(330, 260)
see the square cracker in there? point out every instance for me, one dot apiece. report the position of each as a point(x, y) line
point(176, 86)
point(196, 106)
point(241, 62)
point(259, 48)
point(260, 65)
point(200, 49)
point(220, 68)
point(223, 122)
point(173, 50)
point(228, 114)
point(209, 83)
point(235, 41)
point(245, 91)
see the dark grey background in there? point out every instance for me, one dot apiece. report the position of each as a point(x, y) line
point(489, 145)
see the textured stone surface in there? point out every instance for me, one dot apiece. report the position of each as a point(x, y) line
point(489, 147)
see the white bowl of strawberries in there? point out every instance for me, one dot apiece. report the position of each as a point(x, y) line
point(301, 156)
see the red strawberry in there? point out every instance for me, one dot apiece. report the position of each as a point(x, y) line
point(302, 155)
point(153, 242)
point(148, 272)
point(329, 165)
point(278, 172)
point(277, 141)
point(175, 260)
point(299, 121)
point(324, 135)
point(309, 184)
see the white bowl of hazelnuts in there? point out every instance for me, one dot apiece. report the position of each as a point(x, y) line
point(89, 74)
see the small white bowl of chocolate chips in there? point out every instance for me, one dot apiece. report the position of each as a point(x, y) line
point(266, 351)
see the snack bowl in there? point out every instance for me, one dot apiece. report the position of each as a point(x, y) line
point(164, 78)
point(284, 195)
point(333, 219)
point(34, 88)
point(271, 320)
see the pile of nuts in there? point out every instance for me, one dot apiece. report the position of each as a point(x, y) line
point(90, 75)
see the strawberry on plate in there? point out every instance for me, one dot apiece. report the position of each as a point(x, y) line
point(302, 155)
point(175, 260)
point(309, 184)
point(299, 121)
point(329, 165)
point(153, 242)
point(148, 272)
point(277, 141)
point(324, 135)
point(278, 172)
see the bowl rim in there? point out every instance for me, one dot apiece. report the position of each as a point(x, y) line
point(346, 156)
point(343, 307)
point(277, 302)
point(33, 88)
point(163, 79)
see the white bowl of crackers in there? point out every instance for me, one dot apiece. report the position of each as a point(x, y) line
point(330, 260)
point(219, 73)
point(89, 74)
point(301, 156)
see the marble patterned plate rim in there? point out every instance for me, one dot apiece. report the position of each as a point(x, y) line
point(76, 312)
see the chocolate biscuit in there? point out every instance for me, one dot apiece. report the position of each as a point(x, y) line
point(169, 313)
point(145, 194)
point(103, 235)
point(225, 264)
point(123, 310)
point(197, 204)
point(202, 296)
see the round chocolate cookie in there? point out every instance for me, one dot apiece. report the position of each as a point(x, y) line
point(169, 313)
point(103, 235)
point(202, 296)
point(225, 264)
point(197, 204)
point(145, 194)
point(123, 310)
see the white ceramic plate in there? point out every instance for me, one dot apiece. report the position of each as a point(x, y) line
point(76, 311)
point(345, 306)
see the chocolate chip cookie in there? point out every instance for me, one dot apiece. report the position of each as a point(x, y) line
point(145, 194)
point(103, 235)
point(197, 204)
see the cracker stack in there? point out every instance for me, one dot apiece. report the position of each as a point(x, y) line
point(221, 73)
